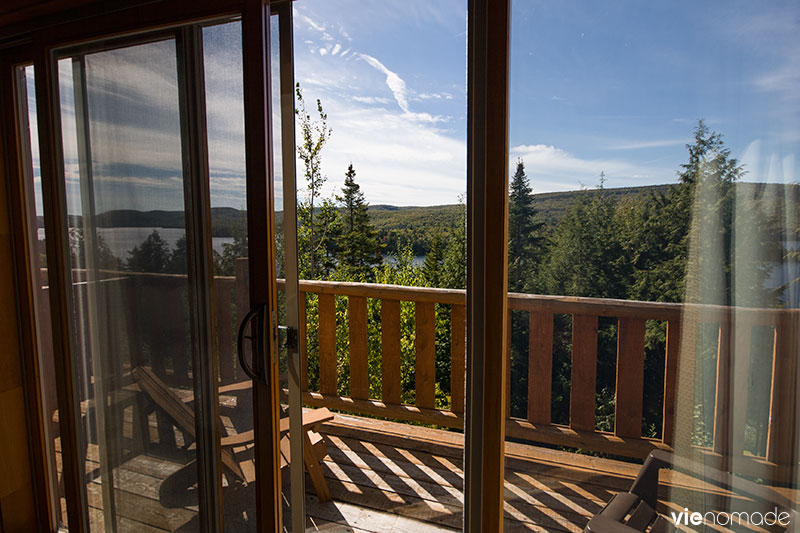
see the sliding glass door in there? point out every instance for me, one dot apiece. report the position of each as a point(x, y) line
point(161, 205)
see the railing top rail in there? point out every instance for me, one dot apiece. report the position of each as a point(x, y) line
point(568, 305)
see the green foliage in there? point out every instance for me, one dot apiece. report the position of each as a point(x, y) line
point(225, 263)
point(526, 240)
point(454, 262)
point(153, 255)
point(585, 257)
point(319, 226)
point(434, 261)
point(358, 249)
point(103, 256)
point(178, 259)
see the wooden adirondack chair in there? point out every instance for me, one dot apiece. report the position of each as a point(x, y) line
point(635, 510)
point(182, 415)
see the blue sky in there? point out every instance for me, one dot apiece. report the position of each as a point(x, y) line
point(615, 87)
point(595, 86)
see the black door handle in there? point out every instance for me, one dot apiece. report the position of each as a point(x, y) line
point(257, 341)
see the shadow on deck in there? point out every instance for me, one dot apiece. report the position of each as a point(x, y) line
point(386, 476)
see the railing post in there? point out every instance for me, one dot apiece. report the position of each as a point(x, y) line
point(584, 372)
point(425, 343)
point(301, 306)
point(390, 351)
point(630, 377)
point(722, 397)
point(328, 366)
point(458, 337)
point(783, 398)
point(223, 302)
point(673, 350)
point(540, 367)
point(359, 362)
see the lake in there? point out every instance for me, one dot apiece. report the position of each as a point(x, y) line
point(122, 240)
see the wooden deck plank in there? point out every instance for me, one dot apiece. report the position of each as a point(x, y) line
point(387, 476)
point(150, 512)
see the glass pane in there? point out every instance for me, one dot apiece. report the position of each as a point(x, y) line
point(38, 259)
point(652, 255)
point(222, 48)
point(127, 231)
point(381, 135)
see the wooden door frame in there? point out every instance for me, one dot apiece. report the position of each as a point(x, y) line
point(16, 146)
point(487, 263)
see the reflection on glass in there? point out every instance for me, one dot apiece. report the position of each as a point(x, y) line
point(225, 118)
point(125, 200)
point(652, 251)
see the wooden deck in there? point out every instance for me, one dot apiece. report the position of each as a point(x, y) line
point(386, 476)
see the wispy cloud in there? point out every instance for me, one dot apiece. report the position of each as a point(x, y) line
point(552, 169)
point(399, 160)
point(393, 81)
point(638, 145)
point(371, 100)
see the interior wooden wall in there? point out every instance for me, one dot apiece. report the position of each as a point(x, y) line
point(17, 511)
point(18, 11)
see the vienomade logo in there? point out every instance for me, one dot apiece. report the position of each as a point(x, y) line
point(771, 518)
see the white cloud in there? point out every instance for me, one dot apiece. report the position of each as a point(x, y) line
point(552, 169)
point(398, 160)
point(637, 145)
point(393, 81)
point(371, 100)
point(784, 80)
point(299, 17)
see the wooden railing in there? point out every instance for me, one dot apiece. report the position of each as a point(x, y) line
point(733, 326)
point(153, 296)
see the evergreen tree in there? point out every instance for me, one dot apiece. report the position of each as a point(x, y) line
point(329, 233)
point(454, 263)
point(104, 257)
point(585, 256)
point(359, 249)
point(225, 263)
point(525, 234)
point(152, 255)
point(434, 260)
point(179, 258)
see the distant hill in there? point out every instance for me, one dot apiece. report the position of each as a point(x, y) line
point(418, 225)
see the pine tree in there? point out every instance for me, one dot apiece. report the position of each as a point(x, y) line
point(454, 264)
point(178, 260)
point(152, 255)
point(434, 260)
point(525, 234)
point(359, 251)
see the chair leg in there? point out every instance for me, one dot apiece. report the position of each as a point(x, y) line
point(315, 470)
